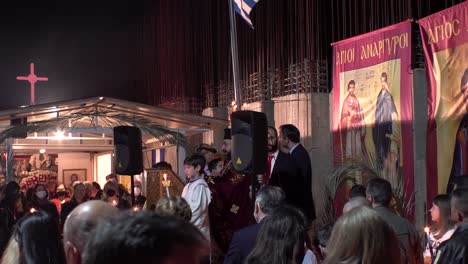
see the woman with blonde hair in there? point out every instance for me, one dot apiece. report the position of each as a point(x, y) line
point(362, 237)
point(174, 206)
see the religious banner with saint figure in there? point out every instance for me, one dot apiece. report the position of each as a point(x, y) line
point(445, 42)
point(372, 103)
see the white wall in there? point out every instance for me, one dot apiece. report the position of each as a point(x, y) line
point(103, 162)
point(77, 160)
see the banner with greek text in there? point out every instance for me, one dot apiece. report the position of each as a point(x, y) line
point(373, 104)
point(445, 43)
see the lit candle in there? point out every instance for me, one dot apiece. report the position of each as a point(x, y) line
point(166, 183)
point(114, 203)
point(429, 242)
point(32, 210)
point(136, 209)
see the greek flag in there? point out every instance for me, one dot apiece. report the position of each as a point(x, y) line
point(243, 8)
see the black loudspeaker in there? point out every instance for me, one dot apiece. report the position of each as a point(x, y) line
point(128, 155)
point(249, 151)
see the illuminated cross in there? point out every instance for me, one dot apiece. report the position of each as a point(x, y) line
point(32, 79)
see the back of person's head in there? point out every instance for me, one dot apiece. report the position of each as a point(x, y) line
point(354, 203)
point(281, 238)
point(174, 206)
point(10, 193)
point(39, 239)
point(291, 132)
point(88, 187)
point(80, 225)
point(362, 236)
point(270, 198)
point(111, 177)
point(357, 190)
point(96, 186)
point(459, 204)
point(162, 165)
point(196, 160)
point(144, 237)
point(379, 191)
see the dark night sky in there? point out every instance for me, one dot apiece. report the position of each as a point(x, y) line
point(86, 49)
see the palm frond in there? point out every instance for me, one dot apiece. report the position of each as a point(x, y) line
point(92, 119)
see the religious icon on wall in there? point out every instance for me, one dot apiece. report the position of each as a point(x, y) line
point(370, 123)
point(452, 117)
point(73, 175)
point(352, 126)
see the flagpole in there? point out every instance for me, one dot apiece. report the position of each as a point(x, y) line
point(235, 61)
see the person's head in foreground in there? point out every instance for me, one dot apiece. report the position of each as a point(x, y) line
point(361, 236)
point(80, 225)
point(145, 237)
point(281, 238)
point(35, 240)
point(174, 206)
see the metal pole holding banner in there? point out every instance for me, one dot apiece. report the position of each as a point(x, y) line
point(235, 60)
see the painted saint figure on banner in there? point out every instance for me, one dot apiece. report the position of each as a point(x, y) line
point(460, 153)
point(386, 133)
point(352, 126)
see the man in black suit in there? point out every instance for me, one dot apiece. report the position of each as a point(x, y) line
point(282, 171)
point(290, 139)
point(243, 241)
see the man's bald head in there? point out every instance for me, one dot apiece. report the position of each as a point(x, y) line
point(80, 224)
point(354, 203)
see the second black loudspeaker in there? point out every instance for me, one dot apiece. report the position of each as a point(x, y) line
point(249, 151)
point(128, 155)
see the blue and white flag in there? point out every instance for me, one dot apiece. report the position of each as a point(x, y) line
point(243, 8)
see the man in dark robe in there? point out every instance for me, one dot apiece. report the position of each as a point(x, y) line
point(231, 206)
point(460, 153)
point(383, 130)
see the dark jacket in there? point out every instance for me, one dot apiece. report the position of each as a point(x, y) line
point(242, 244)
point(410, 244)
point(48, 207)
point(67, 207)
point(140, 201)
point(285, 174)
point(454, 250)
point(301, 156)
point(7, 223)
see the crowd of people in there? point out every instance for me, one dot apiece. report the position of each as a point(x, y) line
point(225, 217)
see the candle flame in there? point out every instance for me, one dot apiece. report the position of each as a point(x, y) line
point(114, 202)
point(32, 210)
point(165, 176)
point(136, 209)
point(426, 229)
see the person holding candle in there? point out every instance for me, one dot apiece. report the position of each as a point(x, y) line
point(442, 228)
point(197, 193)
point(455, 250)
point(111, 195)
